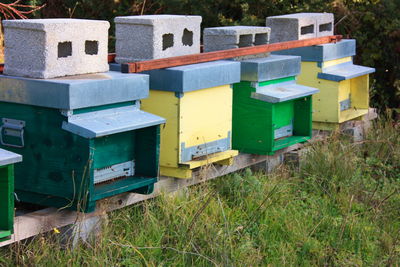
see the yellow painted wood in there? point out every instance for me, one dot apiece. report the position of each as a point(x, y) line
point(212, 158)
point(325, 126)
point(351, 114)
point(360, 91)
point(193, 118)
point(185, 170)
point(166, 105)
point(326, 103)
point(178, 172)
point(334, 62)
point(205, 115)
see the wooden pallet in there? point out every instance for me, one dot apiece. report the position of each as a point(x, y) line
point(41, 221)
point(36, 222)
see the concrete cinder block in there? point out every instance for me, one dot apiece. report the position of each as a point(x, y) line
point(49, 48)
point(299, 26)
point(156, 36)
point(324, 23)
point(222, 38)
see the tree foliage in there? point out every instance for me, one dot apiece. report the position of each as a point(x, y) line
point(375, 24)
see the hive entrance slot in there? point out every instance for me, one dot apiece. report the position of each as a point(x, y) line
point(325, 27)
point(261, 38)
point(167, 41)
point(307, 29)
point(64, 49)
point(91, 47)
point(187, 37)
point(245, 40)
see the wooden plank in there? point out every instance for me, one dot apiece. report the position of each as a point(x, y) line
point(223, 54)
point(111, 57)
point(217, 55)
point(34, 223)
point(41, 221)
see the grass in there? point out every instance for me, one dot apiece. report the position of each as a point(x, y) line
point(339, 207)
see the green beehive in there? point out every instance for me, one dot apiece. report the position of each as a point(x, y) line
point(270, 110)
point(83, 138)
point(7, 160)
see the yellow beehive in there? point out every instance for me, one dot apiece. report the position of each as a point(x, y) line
point(196, 101)
point(344, 87)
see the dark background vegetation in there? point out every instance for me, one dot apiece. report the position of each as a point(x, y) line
point(375, 24)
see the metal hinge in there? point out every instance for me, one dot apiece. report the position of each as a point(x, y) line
point(13, 128)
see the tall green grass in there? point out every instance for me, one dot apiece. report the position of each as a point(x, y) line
point(340, 207)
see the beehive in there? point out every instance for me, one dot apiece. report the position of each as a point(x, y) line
point(7, 161)
point(196, 101)
point(83, 138)
point(270, 110)
point(344, 86)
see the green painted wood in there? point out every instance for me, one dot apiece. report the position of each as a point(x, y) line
point(281, 80)
point(58, 167)
point(6, 201)
point(254, 121)
point(98, 108)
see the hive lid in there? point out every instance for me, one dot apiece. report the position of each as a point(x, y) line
point(270, 68)
point(7, 157)
point(281, 92)
point(324, 52)
point(110, 121)
point(195, 77)
point(344, 71)
point(74, 92)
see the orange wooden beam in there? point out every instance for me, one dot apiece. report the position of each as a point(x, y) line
point(111, 58)
point(217, 55)
point(223, 54)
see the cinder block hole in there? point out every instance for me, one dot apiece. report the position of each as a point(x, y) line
point(187, 37)
point(64, 49)
point(307, 29)
point(325, 27)
point(245, 40)
point(167, 41)
point(261, 38)
point(91, 47)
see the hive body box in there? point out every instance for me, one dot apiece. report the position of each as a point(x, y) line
point(48, 48)
point(83, 138)
point(270, 111)
point(156, 36)
point(344, 87)
point(300, 26)
point(230, 37)
point(196, 101)
point(7, 160)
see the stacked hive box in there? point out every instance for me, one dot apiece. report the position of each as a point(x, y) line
point(83, 137)
point(344, 87)
point(7, 160)
point(195, 99)
point(270, 111)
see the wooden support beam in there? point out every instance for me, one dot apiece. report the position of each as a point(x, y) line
point(223, 54)
point(217, 55)
point(111, 57)
point(41, 221)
